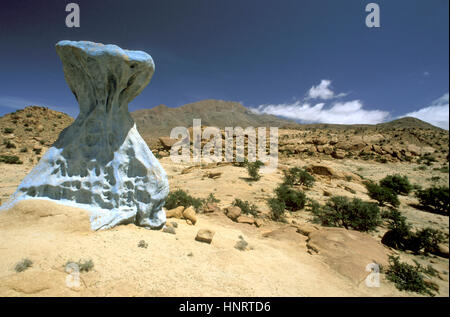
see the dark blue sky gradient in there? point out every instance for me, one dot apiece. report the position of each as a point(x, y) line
point(253, 51)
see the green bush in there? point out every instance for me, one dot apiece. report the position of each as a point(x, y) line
point(10, 159)
point(298, 176)
point(253, 170)
point(401, 237)
point(277, 208)
point(212, 199)
point(246, 207)
point(426, 239)
point(399, 230)
point(340, 211)
point(382, 194)
point(9, 144)
point(83, 266)
point(8, 130)
point(399, 184)
point(181, 198)
point(407, 277)
point(293, 199)
point(436, 198)
point(427, 159)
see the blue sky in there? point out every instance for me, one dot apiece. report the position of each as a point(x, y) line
point(310, 60)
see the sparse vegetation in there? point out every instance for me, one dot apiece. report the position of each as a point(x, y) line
point(340, 211)
point(434, 198)
point(8, 130)
point(212, 199)
point(10, 159)
point(246, 207)
point(399, 184)
point(407, 277)
point(298, 176)
point(292, 198)
point(9, 144)
point(83, 266)
point(253, 170)
point(277, 208)
point(23, 265)
point(382, 194)
point(182, 198)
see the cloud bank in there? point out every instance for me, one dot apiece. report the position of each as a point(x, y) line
point(436, 114)
point(348, 112)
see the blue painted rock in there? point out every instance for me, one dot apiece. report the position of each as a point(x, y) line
point(100, 162)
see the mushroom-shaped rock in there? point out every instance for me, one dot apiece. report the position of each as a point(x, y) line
point(100, 162)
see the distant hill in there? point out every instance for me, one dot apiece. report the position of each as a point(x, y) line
point(160, 120)
point(402, 123)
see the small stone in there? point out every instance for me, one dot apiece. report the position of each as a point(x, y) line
point(170, 230)
point(205, 235)
point(258, 222)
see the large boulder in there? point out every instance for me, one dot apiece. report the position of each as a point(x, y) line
point(100, 162)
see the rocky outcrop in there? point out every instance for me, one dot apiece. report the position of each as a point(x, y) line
point(100, 162)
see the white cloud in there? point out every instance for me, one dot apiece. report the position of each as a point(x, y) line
point(323, 91)
point(350, 112)
point(435, 114)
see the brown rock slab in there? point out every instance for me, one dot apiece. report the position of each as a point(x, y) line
point(245, 219)
point(205, 235)
point(348, 251)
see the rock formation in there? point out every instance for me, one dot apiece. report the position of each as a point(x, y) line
point(100, 162)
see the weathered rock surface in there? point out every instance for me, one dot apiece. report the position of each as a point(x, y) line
point(100, 162)
point(347, 251)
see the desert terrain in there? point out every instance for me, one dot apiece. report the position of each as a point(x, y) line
point(293, 257)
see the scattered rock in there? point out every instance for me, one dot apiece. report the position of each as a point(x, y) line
point(233, 212)
point(175, 212)
point(170, 230)
point(189, 214)
point(167, 142)
point(143, 244)
point(205, 235)
point(241, 245)
point(213, 175)
point(338, 154)
point(258, 222)
point(211, 207)
point(245, 219)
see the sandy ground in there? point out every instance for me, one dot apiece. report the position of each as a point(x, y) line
point(50, 235)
